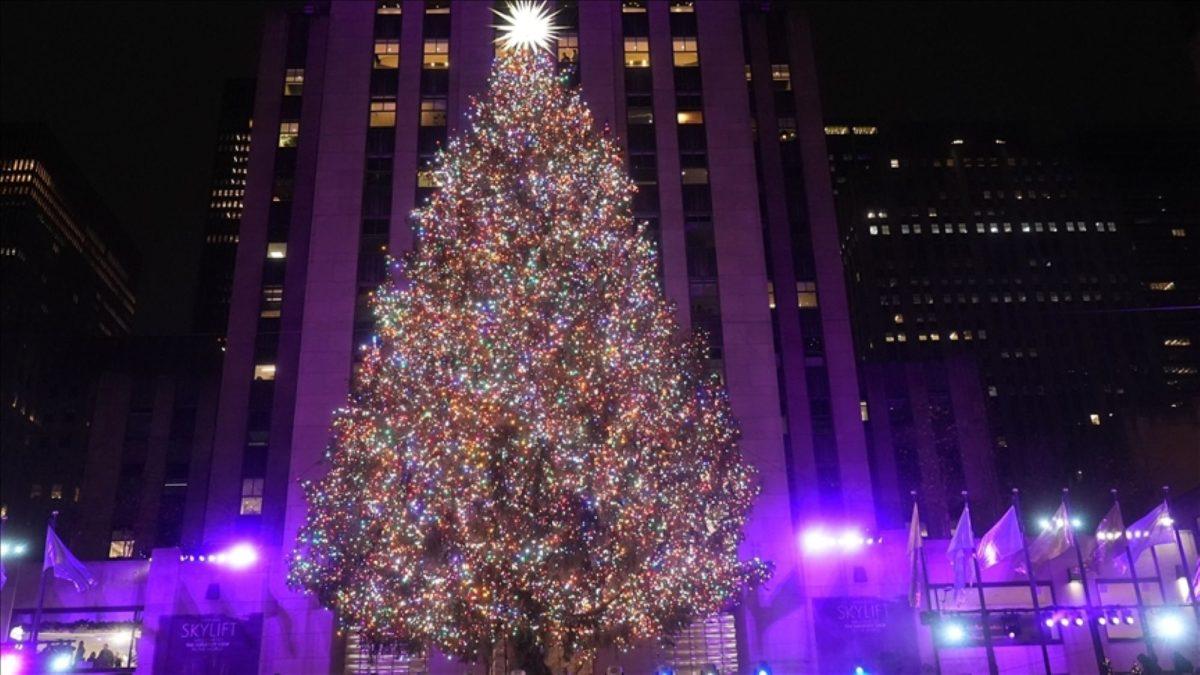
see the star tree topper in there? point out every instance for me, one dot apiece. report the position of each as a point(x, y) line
point(527, 25)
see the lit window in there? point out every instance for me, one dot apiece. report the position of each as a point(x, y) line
point(1094, 418)
point(806, 294)
point(264, 371)
point(277, 250)
point(682, 6)
point(433, 112)
point(437, 54)
point(863, 412)
point(293, 82)
point(771, 295)
point(894, 163)
point(953, 336)
point(781, 75)
point(864, 131)
point(437, 6)
point(56, 491)
point(389, 7)
point(787, 129)
point(637, 52)
point(1178, 232)
point(640, 115)
point(383, 114)
point(121, 544)
point(428, 178)
point(901, 337)
point(272, 301)
point(685, 53)
point(695, 176)
point(289, 133)
point(1162, 285)
point(252, 497)
point(837, 131)
point(1177, 342)
point(387, 54)
point(689, 117)
point(899, 318)
point(992, 391)
point(633, 7)
point(568, 48)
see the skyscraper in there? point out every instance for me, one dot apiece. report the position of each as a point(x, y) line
point(67, 279)
point(353, 101)
point(224, 215)
point(1029, 256)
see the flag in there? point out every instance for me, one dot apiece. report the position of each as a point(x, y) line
point(65, 565)
point(961, 552)
point(1002, 541)
point(1108, 551)
point(1152, 529)
point(1054, 540)
point(915, 544)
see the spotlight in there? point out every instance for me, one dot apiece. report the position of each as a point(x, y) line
point(1079, 621)
point(859, 670)
point(1169, 626)
point(60, 663)
point(11, 663)
point(953, 633)
point(1064, 622)
point(1102, 620)
point(763, 669)
point(1050, 622)
point(240, 557)
point(1129, 619)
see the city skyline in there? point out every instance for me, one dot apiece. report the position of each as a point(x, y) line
point(960, 70)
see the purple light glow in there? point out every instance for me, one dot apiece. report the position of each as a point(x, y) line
point(1064, 622)
point(239, 557)
point(11, 663)
point(819, 541)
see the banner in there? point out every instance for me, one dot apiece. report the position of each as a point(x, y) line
point(208, 644)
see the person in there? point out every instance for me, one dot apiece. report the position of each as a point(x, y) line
point(79, 652)
point(1181, 664)
point(91, 659)
point(106, 659)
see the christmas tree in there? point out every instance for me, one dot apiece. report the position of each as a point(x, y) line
point(532, 456)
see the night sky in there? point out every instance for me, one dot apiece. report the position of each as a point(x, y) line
point(132, 90)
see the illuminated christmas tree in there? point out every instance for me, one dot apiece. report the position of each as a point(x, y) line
point(532, 457)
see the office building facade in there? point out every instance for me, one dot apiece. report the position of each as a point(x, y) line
point(224, 212)
point(67, 280)
point(1014, 252)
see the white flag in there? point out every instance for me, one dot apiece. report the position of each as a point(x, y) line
point(65, 565)
point(962, 551)
point(1108, 553)
point(1055, 539)
point(1152, 529)
point(1002, 541)
point(915, 544)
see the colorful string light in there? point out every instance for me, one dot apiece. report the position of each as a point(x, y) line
point(531, 450)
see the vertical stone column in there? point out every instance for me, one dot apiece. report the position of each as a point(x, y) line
point(772, 626)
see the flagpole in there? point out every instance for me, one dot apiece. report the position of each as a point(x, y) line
point(937, 658)
point(1187, 569)
point(989, 648)
point(1037, 609)
point(37, 615)
point(1097, 645)
point(1137, 582)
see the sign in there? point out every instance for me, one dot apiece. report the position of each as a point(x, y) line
point(877, 634)
point(203, 644)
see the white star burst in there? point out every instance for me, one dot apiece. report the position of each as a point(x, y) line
point(527, 25)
